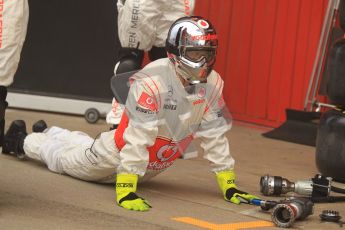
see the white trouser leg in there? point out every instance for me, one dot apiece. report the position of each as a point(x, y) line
point(46, 147)
point(32, 144)
point(75, 153)
point(92, 161)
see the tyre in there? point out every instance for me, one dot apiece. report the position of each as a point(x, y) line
point(342, 14)
point(336, 73)
point(330, 147)
point(92, 115)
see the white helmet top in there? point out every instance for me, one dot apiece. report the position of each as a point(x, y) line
point(191, 45)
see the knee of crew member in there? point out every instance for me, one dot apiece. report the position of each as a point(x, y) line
point(130, 60)
point(157, 53)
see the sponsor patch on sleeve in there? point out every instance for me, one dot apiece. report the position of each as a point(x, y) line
point(147, 101)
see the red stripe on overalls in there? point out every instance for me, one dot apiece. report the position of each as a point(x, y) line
point(119, 141)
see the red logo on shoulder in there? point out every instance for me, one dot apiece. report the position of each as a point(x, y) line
point(147, 101)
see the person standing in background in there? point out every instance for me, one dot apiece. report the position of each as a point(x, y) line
point(14, 16)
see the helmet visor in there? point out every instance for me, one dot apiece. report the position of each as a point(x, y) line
point(198, 54)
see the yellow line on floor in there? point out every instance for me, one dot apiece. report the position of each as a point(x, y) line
point(233, 226)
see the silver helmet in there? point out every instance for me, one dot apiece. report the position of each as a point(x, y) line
point(191, 46)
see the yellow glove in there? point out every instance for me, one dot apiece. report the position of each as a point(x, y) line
point(126, 186)
point(226, 182)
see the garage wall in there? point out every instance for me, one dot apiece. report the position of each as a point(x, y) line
point(70, 50)
point(266, 53)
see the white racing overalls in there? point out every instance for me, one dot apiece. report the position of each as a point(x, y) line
point(145, 23)
point(160, 120)
point(14, 15)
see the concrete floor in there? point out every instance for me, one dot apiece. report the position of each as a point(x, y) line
point(186, 196)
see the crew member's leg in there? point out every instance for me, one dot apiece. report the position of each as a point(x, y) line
point(48, 147)
point(157, 53)
point(14, 139)
point(136, 23)
point(13, 24)
point(169, 12)
point(3, 106)
point(75, 153)
point(91, 159)
point(130, 59)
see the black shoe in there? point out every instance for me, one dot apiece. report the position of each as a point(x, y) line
point(113, 127)
point(2, 132)
point(14, 139)
point(39, 126)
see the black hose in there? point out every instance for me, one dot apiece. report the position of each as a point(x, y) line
point(337, 190)
point(329, 199)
